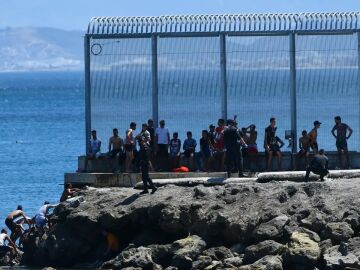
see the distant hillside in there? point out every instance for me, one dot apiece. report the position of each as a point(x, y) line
point(35, 48)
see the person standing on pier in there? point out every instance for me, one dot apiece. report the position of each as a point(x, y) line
point(144, 141)
point(162, 140)
point(272, 144)
point(343, 133)
point(313, 134)
point(130, 146)
point(233, 139)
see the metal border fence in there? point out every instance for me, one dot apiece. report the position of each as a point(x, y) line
point(222, 26)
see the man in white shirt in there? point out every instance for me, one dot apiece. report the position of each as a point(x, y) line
point(94, 149)
point(162, 139)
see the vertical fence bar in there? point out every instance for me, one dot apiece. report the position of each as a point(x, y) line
point(223, 79)
point(87, 92)
point(358, 76)
point(154, 80)
point(293, 91)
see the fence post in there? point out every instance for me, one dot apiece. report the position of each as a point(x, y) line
point(358, 77)
point(223, 79)
point(87, 92)
point(293, 91)
point(154, 80)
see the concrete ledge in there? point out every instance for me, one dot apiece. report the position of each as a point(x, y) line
point(299, 176)
point(130, 179)
point(198, 181)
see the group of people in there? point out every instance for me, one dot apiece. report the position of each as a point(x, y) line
point(19, 224)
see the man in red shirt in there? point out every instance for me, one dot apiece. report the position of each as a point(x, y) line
point(219, 153)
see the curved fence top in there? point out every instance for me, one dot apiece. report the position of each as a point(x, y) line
point(303, 22)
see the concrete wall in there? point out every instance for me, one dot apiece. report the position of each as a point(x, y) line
point(105, 165)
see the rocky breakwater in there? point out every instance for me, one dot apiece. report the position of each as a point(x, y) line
point(276, 225)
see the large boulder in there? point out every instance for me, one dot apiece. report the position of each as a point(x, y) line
point(133, 257)
point(186, 250)
point(272, 229)
point(265, 263)
point(256, 252)
point(218, 253)
point(302, 250)
point(343, 255)
point(338, 231)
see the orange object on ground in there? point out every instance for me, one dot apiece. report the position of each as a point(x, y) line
point(181, 169)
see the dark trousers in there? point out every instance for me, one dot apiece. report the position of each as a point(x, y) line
point(318, 171)
point(234, 160)
point(144, 163)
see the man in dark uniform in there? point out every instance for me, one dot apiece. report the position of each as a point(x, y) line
point(233, 138)
point(144, 141)
point(318, 165)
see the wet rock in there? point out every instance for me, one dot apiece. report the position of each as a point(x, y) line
point(256, 252)
point(338, 231)
point(272, 229)
point(302, 250)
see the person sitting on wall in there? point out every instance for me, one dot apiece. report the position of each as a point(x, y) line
point(175, 147)
point(343, 133)
point(94, 149)
point(318, 165)
point(116, 144)
point(189, 147)
point(304, 145)
point(272, 144)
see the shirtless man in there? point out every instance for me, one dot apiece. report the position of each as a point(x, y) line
point(313, 137)
point(304, 144)
point(115, 144)
point(343, 133)
point(10, 247)
point(130, 146)
point(16, 229)
point(68, 192)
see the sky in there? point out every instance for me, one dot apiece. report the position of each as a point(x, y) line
point(75, 14)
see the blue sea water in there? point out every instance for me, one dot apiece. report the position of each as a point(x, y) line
point(42, 133)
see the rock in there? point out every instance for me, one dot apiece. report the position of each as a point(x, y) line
point(312, 235)
point(314, 222)
point(233, 262)
point(201, 263)
point(238, 248)
point(256, 252)
point(161, 254)
point(215, 265)
point(265, 263)
point(133, 257)
point(218, 253)
point(338, 231)
point(302, 250)
point(186, 250)
point(272, 229)
point(336, 259)
point(324, 245)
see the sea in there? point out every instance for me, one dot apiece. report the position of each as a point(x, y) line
point(42, 134)
point(42, 117)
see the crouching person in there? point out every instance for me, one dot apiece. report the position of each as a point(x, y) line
point(9, 248)
point(318, 165)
